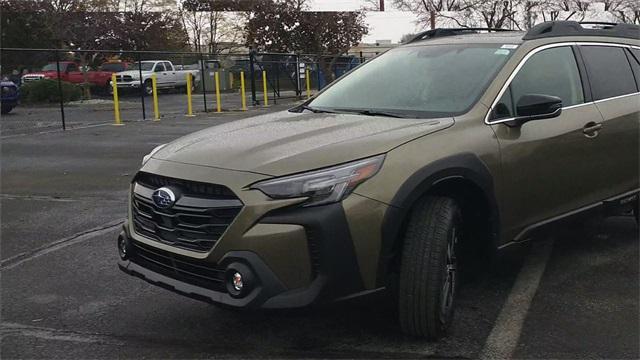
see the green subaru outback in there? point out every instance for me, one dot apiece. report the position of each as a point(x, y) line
point(397, 175)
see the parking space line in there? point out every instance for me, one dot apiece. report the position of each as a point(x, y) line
point(503, 339)
point(54, 131)
point(21, 258)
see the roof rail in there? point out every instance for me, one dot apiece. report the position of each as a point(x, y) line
point(574, 28)
point(440, 32)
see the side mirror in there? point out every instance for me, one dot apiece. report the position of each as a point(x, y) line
point(537, 107)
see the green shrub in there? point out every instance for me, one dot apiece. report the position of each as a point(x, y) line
point(46, 91)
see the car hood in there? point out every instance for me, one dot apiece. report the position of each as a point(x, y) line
point(133, 73)
point(286, 142)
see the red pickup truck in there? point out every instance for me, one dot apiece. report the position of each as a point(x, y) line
point(70, 71)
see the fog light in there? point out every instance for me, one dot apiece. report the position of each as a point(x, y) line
point(237, 281)
point(123, 247)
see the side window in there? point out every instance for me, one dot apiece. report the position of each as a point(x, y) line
point(634, 59)
point(159, 67)
point(609, 71)
point(167, 66)
point(72, 67)
point(504, 107)
point(552, 72)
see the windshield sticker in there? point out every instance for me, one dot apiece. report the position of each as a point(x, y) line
point(502, 52)
point(509, 46)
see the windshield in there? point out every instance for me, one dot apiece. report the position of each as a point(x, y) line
point(146, 66)
point(417, 81)
point(113, 67)
point(52, 67)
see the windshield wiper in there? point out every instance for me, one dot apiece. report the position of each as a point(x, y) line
point(378, 113)
point(316, 110)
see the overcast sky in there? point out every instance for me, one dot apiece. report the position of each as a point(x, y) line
point(388, 25)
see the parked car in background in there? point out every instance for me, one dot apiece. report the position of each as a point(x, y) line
point(168, 77)
point(71, 72)
point(10, 96)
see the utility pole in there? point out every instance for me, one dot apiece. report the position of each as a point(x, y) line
point(432, 16)
point(381, 5)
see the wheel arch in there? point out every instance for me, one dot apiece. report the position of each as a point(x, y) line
point(463, 177)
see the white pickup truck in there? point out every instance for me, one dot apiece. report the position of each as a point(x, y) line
point(166, 73)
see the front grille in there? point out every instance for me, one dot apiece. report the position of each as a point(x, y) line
point(191, 271)
point(193, 223)
point(190, 188)
point(125, 78)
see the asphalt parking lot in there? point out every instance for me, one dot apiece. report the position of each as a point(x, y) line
point(63, 197)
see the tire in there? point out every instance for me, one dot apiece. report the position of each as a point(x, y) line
point(108, 89)
point(6, 109)
point(148, 88)
point(193, 85)
point(428, 270)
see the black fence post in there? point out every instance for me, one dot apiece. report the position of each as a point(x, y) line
point(361, 58)
point(144, 113)
point(276, 89)
point(64, 126)
point(253, 77)
point(202, 79)
point(318, 75)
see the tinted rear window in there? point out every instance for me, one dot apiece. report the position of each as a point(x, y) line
point(609, 71)
point(634, 59)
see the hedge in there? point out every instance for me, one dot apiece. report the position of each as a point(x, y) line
point(46, 90)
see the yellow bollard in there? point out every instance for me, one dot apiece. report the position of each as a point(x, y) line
point(264, 88)
point(308, 79)
point(244, 100)
point(189, 106)
point(231, 80)
point(154, 85)
point(218, 102)
point(116, 103)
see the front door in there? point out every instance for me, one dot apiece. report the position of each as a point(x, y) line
point(162, 78)
point(546, 163)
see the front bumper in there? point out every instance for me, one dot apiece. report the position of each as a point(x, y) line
point(128, 85)
point(296, 255)
point(333, 266)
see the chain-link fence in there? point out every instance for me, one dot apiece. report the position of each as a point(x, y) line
point(53, 88)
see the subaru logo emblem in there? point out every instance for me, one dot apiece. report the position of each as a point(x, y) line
point(164, 198)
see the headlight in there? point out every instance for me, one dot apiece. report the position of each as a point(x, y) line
point(322, 186)
point(149, 155)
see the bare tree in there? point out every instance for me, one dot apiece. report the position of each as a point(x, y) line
point(627, 11)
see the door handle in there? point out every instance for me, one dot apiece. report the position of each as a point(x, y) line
point(591, 129)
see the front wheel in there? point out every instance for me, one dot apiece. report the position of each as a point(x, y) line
point(6, 109)
point(148, 88)
point(429, 268)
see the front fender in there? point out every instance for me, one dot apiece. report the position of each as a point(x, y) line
point(465, 166)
